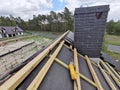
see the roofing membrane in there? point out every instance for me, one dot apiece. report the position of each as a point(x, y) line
point(58, 76)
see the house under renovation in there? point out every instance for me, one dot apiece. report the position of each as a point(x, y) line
point(10, 31)
point(73, 61)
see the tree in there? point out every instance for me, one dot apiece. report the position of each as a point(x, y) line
point(110, 27)
point(117, 28)
point(67, 19)
point(61, 21)
point(49, 20)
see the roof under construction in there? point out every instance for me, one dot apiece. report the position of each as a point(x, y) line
point(68, 63)
point(49, 70)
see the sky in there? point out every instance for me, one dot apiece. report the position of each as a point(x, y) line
point(27, 8)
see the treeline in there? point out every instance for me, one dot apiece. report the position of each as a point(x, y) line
point(113, 28)
point(58, 22)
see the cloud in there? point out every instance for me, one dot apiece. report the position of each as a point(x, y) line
point(24, 8)
point(27, 8)
point(114, 6)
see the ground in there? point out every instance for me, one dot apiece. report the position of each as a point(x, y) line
point(9, 61)
point(43, 38)
point(111, 40)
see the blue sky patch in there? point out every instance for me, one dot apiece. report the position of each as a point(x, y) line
point(57, 5)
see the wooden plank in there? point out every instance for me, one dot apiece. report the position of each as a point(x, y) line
point(114, 71)
point(73, 50)
point(77, 69)
point(118, 72)
point(107, 78)
point(70, 46)
point(17, 78)
point(112, 75)
point(75, 85)
point(99, 86)
point(61, 63)
point(38, 79)
point(88, 80)
point(82, 76)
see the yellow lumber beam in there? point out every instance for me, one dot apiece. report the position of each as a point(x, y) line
point(107, 78)
point(119, 72)
point(75, 85)
point(62, 63)
point(112, 75)
point(114, 71)
point(77, 69)
point(82, 76)
point(99, 86)
point(17, 78)
point(38, 79)
point(88, 80)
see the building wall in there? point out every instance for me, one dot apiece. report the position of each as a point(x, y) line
point(0, 35)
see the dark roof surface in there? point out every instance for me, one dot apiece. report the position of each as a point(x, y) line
point(9, 29)
point(58, 77)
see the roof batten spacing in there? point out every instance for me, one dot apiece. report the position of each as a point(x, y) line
point(107, 78)
point(99, 86)
point(113, 71)
point(77, 69)
point(112, 75)
point(38, 79)
point(18, 77)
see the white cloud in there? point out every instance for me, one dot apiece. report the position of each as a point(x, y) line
point(114, 6)
point(24, 8)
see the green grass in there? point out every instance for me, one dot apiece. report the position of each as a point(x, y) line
point(39, 39)
point(51, 35)
point(114, 40)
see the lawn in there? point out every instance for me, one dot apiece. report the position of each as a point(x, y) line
point(114, 40)
point(37, 36)
point(39, 39)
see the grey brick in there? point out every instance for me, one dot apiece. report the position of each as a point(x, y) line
point(89, 29)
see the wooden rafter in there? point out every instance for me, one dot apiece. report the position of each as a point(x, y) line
point(77, 69)
point(82, 76)
point(107, 78)
point(38, 79)
point(17, 78)
point(111, 73)
point(99, 86)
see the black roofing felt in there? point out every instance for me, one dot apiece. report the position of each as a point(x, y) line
point(104, 56)
point(70, 37)
point(58, 77)
point(83, 69)
point(110, 60)
point(101, 78)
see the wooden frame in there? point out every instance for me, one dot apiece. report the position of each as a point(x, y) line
point(77, 69)
point(99, 86)
point(38, 79)
point(107, 78)
point(111, 73)
point(82, 76)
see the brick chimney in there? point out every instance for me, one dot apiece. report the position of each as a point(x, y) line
point(89, 27)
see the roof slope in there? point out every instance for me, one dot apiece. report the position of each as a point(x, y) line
point(9, 29)
point(93, 76)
